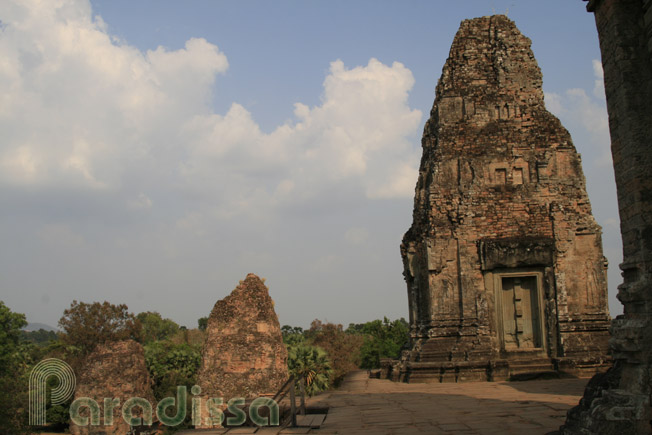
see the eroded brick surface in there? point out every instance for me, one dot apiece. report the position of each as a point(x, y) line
point(244, 355)
point(113, 370)
point(503, 261)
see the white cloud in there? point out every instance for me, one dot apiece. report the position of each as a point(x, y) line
point(117, 156)
point(399, 182)
point(141, 202)
point(356, 235)
point(554, 103)
point(77, 106)
point(359, 134)
point(82, 110)
point(578, 109)
point(584, 114)
point(612, 222)
point(61, 235)
point(598, 84)
point(598, 72)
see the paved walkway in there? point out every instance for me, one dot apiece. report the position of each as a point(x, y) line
point(374, 406)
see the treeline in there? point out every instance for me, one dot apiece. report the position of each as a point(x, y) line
point(326, 352)
point(172, 354)
point(322, 354)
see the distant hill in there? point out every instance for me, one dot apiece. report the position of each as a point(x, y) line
point(37, 326)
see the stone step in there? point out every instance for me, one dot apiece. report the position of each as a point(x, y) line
point(530, 362)
point(310, 420)
point(531, 368)
point(526, 369)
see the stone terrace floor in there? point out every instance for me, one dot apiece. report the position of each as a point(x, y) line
point(374, 406)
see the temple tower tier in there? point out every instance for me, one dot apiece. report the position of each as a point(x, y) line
point(503, 262)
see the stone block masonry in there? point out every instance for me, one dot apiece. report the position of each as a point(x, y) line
point(503, 261)
point(619, 402)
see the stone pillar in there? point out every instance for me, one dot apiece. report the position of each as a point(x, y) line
point(619, 402)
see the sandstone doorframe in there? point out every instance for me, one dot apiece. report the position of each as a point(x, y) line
point(534, 314)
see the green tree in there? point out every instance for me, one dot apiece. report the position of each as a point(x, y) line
point(154, 327)
point(87, 325)
point(294, 339)
point(13, 372)
point(383, 339)
point(40, 337)
point(355, 328)
point(10, 332)
point(343, 349)
point(290, 330)
point(170, 365)
point(202, 323)
point(311, 363)
point(292, 335)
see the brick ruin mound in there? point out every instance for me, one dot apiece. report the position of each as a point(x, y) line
point(113, 370)
point(244, 355)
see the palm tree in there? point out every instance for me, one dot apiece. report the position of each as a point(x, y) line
point(311, 363)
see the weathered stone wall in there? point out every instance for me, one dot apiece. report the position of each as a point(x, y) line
point(113, 370)
point(244, 355)
point(619, 402)
point(500, 191)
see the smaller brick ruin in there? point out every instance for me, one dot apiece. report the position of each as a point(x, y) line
point(113, 370)
point(503, 262)
point(244, 355)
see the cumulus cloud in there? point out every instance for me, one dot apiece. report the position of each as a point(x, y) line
point(584, 113)
point(82, 110)
point(580, 110)
point(356, 235)
point(78, 108)
point(598, 83)
point(111, 155)
point(358, 134)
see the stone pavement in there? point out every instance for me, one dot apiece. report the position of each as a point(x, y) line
point(374, 406)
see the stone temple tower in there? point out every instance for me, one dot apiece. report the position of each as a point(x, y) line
point(503, 261)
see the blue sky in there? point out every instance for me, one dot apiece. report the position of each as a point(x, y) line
point(155, 152)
